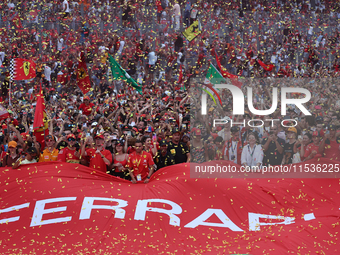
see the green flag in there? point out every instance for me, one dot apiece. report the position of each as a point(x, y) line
point(214, 76)
point(118, 73)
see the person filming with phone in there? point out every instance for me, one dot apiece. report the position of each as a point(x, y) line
point(273, 148)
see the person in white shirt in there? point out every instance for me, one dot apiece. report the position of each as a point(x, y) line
point(60, 43)
point(47, 73)
point(177, 13)
point(252, 153)
point(152, 64)
point(11, 5)
point(225, 132)
point(121, 47)
point(2, 57)
point(193, 14)
point(66, 9)
point(310, 32)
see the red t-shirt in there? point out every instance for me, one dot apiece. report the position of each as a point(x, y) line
point(332, 151)
point(96, 160)
point(63, 79)
point(139, 164)
point(67, 155)
point(130, 150)
point(159, 6)
point(310, 148)
point(87, 109)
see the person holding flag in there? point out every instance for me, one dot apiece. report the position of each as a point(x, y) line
point(40, 123)
point(118, 73)
point(83, 78)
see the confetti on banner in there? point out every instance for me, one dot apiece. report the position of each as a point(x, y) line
point(237, 216)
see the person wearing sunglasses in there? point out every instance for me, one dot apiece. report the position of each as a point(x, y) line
point(50, 153)
point(70, 154)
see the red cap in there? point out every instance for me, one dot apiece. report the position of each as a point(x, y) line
point(86, 98)
point(214, 135)
point(71, 136)
point(99, 136)
point(24, 136)
point(315, 133)
point(197, 131)
point(15, 122)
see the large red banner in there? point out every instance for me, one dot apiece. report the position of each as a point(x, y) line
point(49, 208)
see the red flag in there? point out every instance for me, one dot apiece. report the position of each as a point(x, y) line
point(266, 67)
point(23, 69)
point(3, 113)
point(180, 78)
point(83, 79)
point(39, 111)
point(233, 78)
point(17, 22)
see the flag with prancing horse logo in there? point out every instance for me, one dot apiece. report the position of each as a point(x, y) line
point(83, 78)
point(23, 69)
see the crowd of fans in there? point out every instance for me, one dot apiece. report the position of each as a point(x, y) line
point(115, 129)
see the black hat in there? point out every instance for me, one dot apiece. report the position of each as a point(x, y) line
point(32, 150)
point(319, 118)
point(235, 129)
point(332, 127)
point(175, 130)
point(246, 113)
point(21, 128)
point(49, 137)
point(120, 142)
point(163, 142)
point(186, 118)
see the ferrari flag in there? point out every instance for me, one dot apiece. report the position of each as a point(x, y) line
point(23, 69)
point(83, 78)
point(192, 31)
